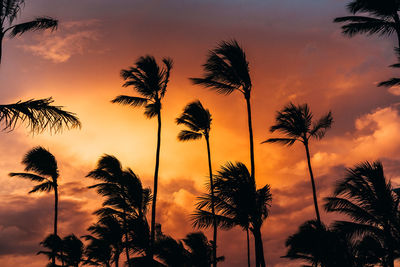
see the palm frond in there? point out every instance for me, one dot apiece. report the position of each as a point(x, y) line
point(41, 23)
point(390, 83)
point(360, 25)
point(39, 115)
point(283, 141)
point(319, 128)
point(41, 161)
point(130, 100)
point(203, 219)
point(186, 135)
point(43, 187)
point(29, 176)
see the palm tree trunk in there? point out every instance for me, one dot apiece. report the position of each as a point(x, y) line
point(153, 210)
point(250, 135)
point(126, 242)
point(53, 257)
point(248, 247)
point(258, 243)
point(116, 259)
point(312, 183)
point(212, 203)
point(1, 45)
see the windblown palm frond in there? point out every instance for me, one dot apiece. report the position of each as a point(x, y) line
point(41, 23)
point(39, 114)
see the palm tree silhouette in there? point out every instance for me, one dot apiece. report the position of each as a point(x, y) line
point(383, 19)
point(41, 166)
point(367, 197)
point(237, 203)
point(38, 114)
point(126, 198)
point(150, 81)
point(198, 120)
point(9, 11)
point(107, 237)
point(295, 122)
point(54, 244)
point(72, 251)
point(226, 71)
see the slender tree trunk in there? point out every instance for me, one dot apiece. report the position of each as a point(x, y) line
point(53, 257)
point(153, 210)
point(1, 45)
point(248, 247)
point(250, 136)
point(126, 241)
point(212, 203)
point(259, 248)
point(312, 183)
point(116, 260)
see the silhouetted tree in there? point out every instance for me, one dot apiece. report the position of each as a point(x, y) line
point(198, 121)
point(9, 11)
point(383, 18)
point(98, 251)
point(295, 122)
point(39, 114)
point(150, 82)
point(41, 166)
point(125, 197)
point(72, 251)
point(237, 203)
point(226, 71)
point(54, 244)
point(367, 197)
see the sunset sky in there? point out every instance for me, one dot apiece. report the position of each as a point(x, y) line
point(296, 54)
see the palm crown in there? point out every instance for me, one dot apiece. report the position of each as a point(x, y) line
point(150, 81)
point(296, 123)
point(197, 119)
point(226, 70)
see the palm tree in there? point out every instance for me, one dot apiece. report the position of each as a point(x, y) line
point(198, 120)
point(237, 203)
point(126, 199)
point(150, 81)
point(38, 114)
point(9, 11)
point(383, 18)
point(72, 251)
point(54, 244)
point(226, 71)
point(296, 123)
point(98, 251)
point(41, 166)
point(367, 197)
point(320, 246)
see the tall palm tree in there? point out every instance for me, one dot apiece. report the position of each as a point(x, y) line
point(38, 114)
point(41, 166)
point(126, 199)
point(237, 203)
point(198, 121)
point(367, 197)
point(150, 81)
point(9, 11)
point(383, 18)
point(296, 123)
point(226, 71)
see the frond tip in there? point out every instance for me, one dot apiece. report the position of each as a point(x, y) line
point(39, 116)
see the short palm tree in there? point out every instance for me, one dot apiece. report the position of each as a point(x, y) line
point(72, 251)
point(54, 245)
point(383, 18)
point(150, 81)
point(38, 114)
point(226, 71)
point(237, 203)
point(41, 166)
point(125, 197)
point(198, 121)
point(367, 197)
point(9, 11)
point(296, 123)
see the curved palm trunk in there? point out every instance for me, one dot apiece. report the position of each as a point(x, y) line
point(248, 247)
point(258, 243)
point(312, 183)
point(212, 203)
point(153, 210)
point(53, 257)
point(250, 136)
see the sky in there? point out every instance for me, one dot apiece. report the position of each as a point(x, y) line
point(296, 54)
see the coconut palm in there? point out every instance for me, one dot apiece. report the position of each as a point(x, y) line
point(72, 251)
point(9, 11)
point(150, 81)
point(237, 203)
point(54, 245)
point(382, 19)
point(296, 123)
point(226, 71)
point(38, 114)
point(125, 197)
point(98, 251)
point(198, 121)
point(367, 197)
point(41, 167)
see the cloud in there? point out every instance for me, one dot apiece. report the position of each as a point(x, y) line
point(72, 38)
